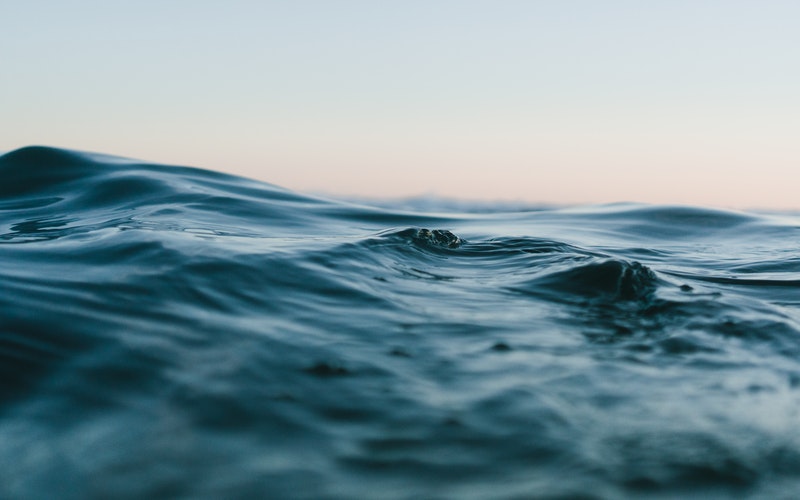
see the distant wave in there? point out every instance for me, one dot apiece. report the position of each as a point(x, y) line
point(171, 332)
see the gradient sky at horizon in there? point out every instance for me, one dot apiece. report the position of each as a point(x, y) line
point(566, 102)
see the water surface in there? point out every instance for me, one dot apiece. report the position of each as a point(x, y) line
point(169, 332)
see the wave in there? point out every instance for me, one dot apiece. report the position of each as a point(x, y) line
point(176, 332)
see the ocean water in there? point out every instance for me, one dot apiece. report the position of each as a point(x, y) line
point(169, 332)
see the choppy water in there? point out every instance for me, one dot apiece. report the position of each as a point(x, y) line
point(171, 332)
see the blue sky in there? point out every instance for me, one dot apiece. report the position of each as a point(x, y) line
point(544, 101)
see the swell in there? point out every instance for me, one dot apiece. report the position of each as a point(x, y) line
point(174, 332)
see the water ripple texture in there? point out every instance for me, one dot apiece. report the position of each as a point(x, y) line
point(171, 332)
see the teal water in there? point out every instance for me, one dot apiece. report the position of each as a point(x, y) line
point(169, 332)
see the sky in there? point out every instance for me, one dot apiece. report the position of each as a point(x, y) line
point(562, 102)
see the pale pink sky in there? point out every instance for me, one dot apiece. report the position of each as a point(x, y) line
point(691, 102)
